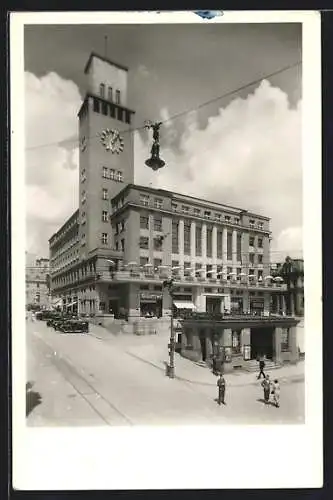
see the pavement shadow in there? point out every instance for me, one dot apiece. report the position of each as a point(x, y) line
point(32, 398)
point(269, 403)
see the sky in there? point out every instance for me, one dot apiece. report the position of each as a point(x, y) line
point(243, 150)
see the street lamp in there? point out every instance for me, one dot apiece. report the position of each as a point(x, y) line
point(155, 162)
point(169, 284)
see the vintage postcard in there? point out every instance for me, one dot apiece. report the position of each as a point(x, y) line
point(166, 250)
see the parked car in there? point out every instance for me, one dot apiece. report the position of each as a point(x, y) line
point(73, 326)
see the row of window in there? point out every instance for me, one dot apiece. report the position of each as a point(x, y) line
point(157, 243)
point(113, 175)
point(145, 200)
point(205, 213)
point(158, 203)
point(108, 109)
point(102, 89)
point(157, 222)
point(208, 269)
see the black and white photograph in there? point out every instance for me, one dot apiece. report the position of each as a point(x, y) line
point(163, 254)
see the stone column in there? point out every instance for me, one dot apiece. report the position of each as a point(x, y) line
point(293, 344)
point(193, 226)
point(224, 248)
point(181, 246)
point(292, 304)
point(283, 300)
point(234, 250)
point(214, 251)
point(246, 302)
point(196, 344)
point(133, 301)
point(209, 347)
point(227, 340)
point(266, 304)
point(245, 338)
point(204, 241)
point(277, 345)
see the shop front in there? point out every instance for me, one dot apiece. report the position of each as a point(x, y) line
point(257, 306)
point(235, 341)
point(150, 305)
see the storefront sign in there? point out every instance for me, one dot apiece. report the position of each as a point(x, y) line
point(150, 296)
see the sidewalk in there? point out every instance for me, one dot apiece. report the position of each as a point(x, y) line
point(153, 350)
point(189, 371)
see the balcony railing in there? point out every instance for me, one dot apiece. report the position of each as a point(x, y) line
point(138, 274)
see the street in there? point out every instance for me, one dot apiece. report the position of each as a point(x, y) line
point(102, 379)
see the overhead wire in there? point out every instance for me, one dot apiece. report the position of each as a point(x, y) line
point(182, 113)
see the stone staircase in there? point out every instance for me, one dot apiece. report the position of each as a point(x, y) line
point(253, 365)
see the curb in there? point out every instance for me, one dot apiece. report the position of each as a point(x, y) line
point(292, 378)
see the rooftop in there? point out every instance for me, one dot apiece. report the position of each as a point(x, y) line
point(105, 59)
point(67, 222)
point(185, 197)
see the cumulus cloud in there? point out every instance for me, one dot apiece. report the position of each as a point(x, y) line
point(248, 155)
point(51, 106)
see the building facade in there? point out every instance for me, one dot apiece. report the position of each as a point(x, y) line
point(292, 273)
point(110, 258)
point(37, 283)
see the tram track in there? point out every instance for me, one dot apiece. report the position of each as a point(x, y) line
point(83, 387)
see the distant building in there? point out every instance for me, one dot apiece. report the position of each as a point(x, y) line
point(37, 283)
point(291, 272)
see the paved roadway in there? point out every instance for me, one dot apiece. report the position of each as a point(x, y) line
point(96, 379)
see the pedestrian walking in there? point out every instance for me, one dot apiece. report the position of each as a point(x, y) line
point(221, 386)
point(266, 384)
point(261, 367)
point(276, 393)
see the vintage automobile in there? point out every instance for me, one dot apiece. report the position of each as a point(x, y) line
point(54, 318)
point(73, 326)
point(44, 315)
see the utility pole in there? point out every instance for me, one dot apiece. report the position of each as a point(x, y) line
point(172, 345)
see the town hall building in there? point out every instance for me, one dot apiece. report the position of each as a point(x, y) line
point(110, 258)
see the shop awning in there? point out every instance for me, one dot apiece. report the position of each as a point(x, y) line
point(184, 304)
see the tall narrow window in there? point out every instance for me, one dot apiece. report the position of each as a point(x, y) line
point(117, 96)
point(219, 244)
point(157, 223)
point(239, 247)
point(110, 98)
point(104, 109)
point(104, 238)
point(198, 248)
point(102, 90)
point(209, 241)
point(96, 105)
point(229, 246)
point(175, 241)
point(105, 194)
point(187, 237)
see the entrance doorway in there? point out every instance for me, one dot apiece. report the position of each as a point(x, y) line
point(213, 305)
point(262, 342)
point(203, 345)
point(114, 307)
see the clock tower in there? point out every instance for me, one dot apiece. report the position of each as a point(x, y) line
point(106, 156)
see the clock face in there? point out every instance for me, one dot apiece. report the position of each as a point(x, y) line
point(83, 144)
point(112, 141)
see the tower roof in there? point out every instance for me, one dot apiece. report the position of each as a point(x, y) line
point(105, 59)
